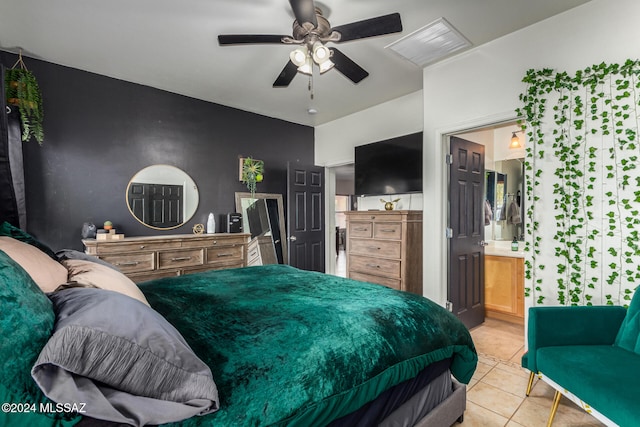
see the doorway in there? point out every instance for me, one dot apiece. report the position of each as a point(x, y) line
point(505, 166)
point(340, 198)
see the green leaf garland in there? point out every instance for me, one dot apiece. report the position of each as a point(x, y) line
point(583, 184)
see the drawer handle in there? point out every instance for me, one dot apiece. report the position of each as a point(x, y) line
point(181, 258)
point(360, 229)
point(142, 246)
point(253, 253)
point(127, 263)
point(373, 265)
point(375, 248)
point(388, 230)
point(223, 255)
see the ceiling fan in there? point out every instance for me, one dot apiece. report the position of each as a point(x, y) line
point(311, 30)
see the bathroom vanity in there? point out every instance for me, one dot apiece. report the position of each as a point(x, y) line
point(504, 282)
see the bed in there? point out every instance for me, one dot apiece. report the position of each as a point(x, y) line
point(269, 345)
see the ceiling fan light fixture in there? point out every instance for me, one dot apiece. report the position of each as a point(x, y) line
point(307, 67)
point(320, 53)
point(326, 66)
point(299, 56)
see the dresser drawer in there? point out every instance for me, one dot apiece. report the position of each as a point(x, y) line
point(386, 281)
point(376, 266)
point(175, 259)
point(220, 241)
point(151, 275)
point(224, 254)
point(112, 247)
point(387, 230)
point(211, 267)
point(128, 263)
point(375, 248)
point(360, 229)
point(375, 216)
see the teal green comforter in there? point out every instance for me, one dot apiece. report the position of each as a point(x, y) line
point(298, 348)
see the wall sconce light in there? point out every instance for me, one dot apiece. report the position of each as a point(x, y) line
point(515, 141)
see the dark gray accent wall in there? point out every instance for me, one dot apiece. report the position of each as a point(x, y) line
point(100, 131)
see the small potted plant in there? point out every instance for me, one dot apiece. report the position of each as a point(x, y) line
point(23, 92)
point(252, 173)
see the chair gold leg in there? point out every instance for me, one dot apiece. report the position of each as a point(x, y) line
point(531, 376)
point(554, 407)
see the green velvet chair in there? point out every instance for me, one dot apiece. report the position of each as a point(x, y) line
point(591, 355)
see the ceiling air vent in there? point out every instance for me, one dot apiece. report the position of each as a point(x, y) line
point(430, 43)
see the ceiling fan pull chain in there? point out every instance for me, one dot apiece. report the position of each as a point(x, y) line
point(311, 85)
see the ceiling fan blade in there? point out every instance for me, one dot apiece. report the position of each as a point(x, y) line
point(286, 75)
point(346, 66)
point(224, 39)
point(379, 26)
point(304, 11)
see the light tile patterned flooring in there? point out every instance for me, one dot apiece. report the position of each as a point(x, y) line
point(496, 393)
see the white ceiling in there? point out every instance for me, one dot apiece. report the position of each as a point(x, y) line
point(172, 45)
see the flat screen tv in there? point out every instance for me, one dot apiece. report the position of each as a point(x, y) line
point(392, 166)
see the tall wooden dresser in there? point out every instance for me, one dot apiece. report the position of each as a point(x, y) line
point(385, 247)
point(151, 257)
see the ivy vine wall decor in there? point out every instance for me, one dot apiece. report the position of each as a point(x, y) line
point(583, 185)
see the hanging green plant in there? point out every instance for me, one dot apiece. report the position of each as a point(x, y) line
point(584, 132)
point(23, 92)
point(252, 173)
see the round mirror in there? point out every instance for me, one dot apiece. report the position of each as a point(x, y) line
point(162, 197)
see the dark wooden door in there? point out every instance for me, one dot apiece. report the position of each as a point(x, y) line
point(466, 221)
point(305, 216)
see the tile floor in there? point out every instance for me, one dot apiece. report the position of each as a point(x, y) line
point(496, 393)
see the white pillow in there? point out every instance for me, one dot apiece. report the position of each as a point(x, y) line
point(92, 274)
point(46, 272)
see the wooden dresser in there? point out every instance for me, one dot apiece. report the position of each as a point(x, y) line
point(152, 257)
point(385, 247)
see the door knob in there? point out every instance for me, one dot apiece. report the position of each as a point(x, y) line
point(483, 243)
point(293, 238)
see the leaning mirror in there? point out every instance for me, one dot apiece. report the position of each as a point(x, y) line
point(263, 217)
point(162, 197)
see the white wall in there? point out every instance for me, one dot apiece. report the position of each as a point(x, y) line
point(478, 88)
point(482, 87)
point(335, 141)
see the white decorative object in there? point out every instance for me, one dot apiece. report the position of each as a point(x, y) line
point(211, 224)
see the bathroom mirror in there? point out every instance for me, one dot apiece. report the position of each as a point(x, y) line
point(263, 217)
point(495, 185)
point(504, 194)
point(162, 197)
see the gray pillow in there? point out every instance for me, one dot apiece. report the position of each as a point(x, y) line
point(123, 359)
